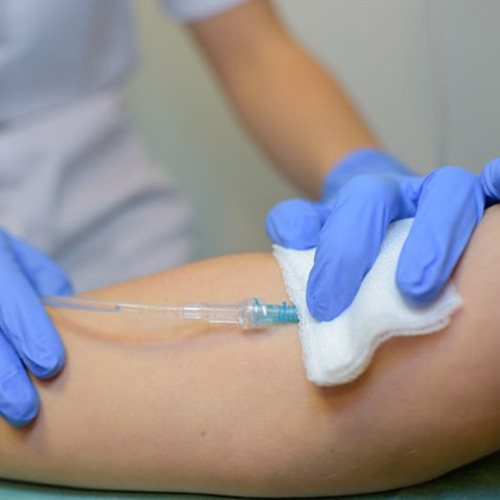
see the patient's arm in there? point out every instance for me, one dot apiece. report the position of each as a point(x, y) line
point(151, 406)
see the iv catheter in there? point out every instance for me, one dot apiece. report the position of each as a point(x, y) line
point(249, 314)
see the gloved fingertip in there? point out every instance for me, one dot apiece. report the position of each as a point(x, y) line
point(322, 310)
point(272, 230)
point(19, 403)
point(25, 418)
point(66, 288)
point(417, 293)
point(490, 181)
point(322, 303)
point(53, 283)
point(318, 308)
point(295, 224)
point(419, 274)
point(46, 357)
point(48, 364)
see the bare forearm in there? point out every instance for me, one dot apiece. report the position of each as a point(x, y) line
point(154, 406)
point(298, 112)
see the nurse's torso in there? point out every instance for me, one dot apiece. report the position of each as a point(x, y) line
point(74, 179)
point(55, 51)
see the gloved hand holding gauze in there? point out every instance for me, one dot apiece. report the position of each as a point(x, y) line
point(338, 351)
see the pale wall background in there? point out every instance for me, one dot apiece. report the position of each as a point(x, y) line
point(424, 72)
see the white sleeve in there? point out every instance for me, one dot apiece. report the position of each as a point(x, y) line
point(196, 10)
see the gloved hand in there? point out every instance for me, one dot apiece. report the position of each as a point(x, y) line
point(362, 195)
point(28, 340)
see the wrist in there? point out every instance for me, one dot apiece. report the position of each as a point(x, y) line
point(358, 162)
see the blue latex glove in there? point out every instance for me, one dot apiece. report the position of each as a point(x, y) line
point(28, 340)
point(362, 195)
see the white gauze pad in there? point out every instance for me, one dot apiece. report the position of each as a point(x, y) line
point(338, 351)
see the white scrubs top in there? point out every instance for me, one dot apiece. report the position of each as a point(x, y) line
point(74, 178)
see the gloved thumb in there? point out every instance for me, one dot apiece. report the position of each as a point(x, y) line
point(296, 223)
point(490, 181)
point(44, 274)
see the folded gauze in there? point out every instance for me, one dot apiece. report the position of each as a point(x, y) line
point(338, 351)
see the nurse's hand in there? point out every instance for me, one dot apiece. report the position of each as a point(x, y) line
point(362, 195)
point(28, 340)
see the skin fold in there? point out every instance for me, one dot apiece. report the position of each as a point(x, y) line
point(150, 404)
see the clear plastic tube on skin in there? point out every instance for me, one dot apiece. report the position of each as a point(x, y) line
point(249, 314)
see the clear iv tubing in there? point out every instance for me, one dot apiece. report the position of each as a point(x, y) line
point(249, 314)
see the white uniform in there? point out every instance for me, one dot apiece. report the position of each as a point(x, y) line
point(74, 179)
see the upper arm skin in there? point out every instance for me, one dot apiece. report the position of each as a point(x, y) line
point(144, 405)
point(241, 36)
